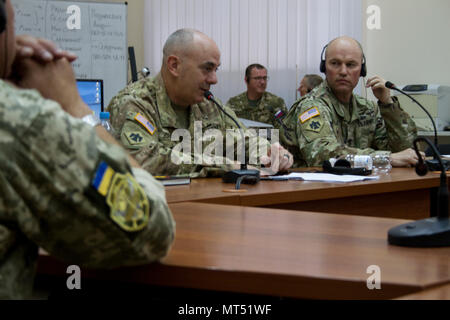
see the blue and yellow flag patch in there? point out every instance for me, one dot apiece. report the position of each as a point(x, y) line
point(102, 179)
point(128, 202)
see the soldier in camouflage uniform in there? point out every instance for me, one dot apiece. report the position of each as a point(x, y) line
point(331, 121)
point(147, 113)
point(256, 103)
point(64, 186)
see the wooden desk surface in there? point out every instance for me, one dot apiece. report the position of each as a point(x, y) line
point(391, 196)
point(283, 253)
point(438, 293)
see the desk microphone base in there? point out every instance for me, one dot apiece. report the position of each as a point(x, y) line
point(431, 232)
point(248, 176)
point(433, 165)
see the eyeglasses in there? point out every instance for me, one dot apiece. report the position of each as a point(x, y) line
point(260, 78)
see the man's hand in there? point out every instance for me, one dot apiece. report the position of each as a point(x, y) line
point(40, 49)
point(405, 158)
point(277, 159)
point(55, 80)
point(379, 89)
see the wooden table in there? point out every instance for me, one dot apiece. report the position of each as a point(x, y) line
point(438, 293)
point(284, 253)
point(402, 194)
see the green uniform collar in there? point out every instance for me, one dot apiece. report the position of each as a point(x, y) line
point(341, 109)
point(168, 116)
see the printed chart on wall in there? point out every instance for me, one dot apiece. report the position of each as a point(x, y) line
point(96, 32)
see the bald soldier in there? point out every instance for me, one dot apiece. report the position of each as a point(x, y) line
point(65, 186)
point(149, 115)
point(256, 103)
point(331, 121)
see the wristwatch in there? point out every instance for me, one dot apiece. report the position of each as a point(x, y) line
point(92, 120)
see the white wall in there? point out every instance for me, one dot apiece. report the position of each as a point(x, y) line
point(413, 45)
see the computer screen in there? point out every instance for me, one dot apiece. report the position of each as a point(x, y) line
point(91, 91)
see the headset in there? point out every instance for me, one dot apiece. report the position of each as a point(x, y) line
point(323, 67)
point(2, 16)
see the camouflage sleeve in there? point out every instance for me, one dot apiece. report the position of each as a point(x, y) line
point(81, 201)
point(401, 129)
point(316, 138)
point(158, 158)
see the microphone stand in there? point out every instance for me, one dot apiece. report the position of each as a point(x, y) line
point(434, 164)
point(243, 175)
point(431, 232)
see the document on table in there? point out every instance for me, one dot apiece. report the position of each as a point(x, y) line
point(323, 177)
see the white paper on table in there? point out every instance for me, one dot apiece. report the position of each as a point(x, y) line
point(324, 177)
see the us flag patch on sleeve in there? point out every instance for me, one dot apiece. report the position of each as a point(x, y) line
point(309, 114)
point(145, 123)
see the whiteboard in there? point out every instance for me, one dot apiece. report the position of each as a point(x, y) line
point(100, 43)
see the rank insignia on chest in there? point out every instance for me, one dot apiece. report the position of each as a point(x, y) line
point(145, 123)
point(309, 114)
point(129, 205)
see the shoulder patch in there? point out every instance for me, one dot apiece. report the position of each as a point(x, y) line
point(128, 203)
point(309, 114)
point(135, 138)
point(314, 125)
point(145, 123)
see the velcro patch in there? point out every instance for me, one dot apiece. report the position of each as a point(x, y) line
point(135, 138)
point(309, 114)
point(129, 205)
point(145, 123)
point(314, 125)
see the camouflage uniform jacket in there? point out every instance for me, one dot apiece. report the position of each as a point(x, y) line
point(320, 127)
point(146, 124)
point(268, 105)
point(48, 163)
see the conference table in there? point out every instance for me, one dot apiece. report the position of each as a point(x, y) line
point(401, 194)
point(243, 243)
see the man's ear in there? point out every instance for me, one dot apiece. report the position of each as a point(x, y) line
point(246, 80)
point(174, 64)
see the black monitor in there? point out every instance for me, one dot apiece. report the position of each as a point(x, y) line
point(91, 91)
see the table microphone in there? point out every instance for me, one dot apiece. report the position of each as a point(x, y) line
point(433, 165)
point(431, 232)
point(243, 175)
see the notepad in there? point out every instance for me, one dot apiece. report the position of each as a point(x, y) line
point(322, 177)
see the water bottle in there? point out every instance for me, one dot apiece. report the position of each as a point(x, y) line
point(359, 161)
point(104, 120)
point(381, 164)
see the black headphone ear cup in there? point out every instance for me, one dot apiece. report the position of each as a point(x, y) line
point(323, 68)
point(2, 16)
point(363, 67)
point(363, 70)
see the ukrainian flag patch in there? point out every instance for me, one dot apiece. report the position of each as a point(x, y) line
point(127, 200)
point(145, 123)
point(102, 179)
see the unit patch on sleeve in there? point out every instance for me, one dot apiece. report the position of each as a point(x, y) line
point(129, 205)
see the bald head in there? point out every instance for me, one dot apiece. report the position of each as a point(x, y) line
point(344, 43)
point(184, 42)
point(190, 62)
point(344, 60)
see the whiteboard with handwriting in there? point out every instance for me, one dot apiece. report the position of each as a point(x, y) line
point(100, 43)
